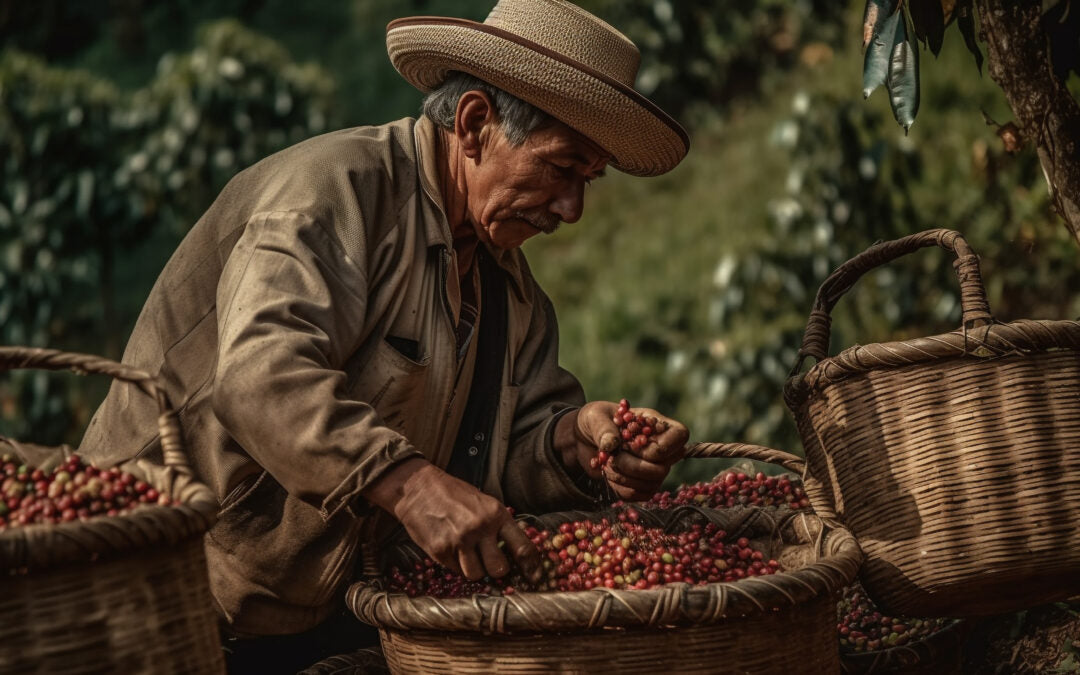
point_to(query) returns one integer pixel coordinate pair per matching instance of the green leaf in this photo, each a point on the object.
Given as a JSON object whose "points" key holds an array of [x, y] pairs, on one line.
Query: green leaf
{"points": [[903, 78], [928, 20], [882, 38], [965, 20]]}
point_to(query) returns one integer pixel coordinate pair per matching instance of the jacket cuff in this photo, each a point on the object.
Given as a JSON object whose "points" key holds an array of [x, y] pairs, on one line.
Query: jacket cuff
{"points": [[576, 489], [347, 494]]}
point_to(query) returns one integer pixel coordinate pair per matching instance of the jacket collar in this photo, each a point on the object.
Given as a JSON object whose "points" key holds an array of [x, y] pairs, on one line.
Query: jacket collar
{"points": [[437, 229]]}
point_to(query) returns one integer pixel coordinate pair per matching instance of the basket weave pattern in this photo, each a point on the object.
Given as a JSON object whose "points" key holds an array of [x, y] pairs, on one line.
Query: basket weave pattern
{"points": [[752, 625], [126, 593], [952, 458]]}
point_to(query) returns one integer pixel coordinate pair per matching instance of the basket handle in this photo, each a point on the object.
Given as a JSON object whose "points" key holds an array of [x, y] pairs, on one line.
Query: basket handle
{"points": [[172, 441], [973, 302], [746, 451]]}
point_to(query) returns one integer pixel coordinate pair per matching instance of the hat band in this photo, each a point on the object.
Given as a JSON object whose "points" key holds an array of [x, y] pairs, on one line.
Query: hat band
{"points": [[550, 53]]}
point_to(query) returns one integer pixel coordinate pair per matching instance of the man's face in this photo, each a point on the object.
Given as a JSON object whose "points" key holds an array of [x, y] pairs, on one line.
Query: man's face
{"points": [[517, 192]]}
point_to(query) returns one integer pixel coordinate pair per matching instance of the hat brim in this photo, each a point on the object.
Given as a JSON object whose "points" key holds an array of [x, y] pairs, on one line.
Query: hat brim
{"points": [[641, 138]]}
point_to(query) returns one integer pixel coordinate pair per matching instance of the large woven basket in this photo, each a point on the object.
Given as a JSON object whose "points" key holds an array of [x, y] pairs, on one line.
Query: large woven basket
{"points": [[120, 594], [954, 458], [779, 623]]}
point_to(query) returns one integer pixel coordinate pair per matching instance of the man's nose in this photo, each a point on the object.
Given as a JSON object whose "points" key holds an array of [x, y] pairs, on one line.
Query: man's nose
{"points": [[570, 201]]}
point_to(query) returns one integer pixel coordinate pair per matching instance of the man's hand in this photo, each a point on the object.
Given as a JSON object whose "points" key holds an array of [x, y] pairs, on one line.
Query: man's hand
{"points": [[453, 522], [633, 474]]}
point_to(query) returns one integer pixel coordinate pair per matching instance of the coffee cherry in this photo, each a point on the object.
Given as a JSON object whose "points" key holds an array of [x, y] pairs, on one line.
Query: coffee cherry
{"points": [[635, 432], [72, 490], [734, 488], [862, 628], [620, 554]]}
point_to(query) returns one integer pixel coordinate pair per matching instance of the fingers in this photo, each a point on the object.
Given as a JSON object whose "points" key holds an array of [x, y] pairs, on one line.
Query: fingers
{"points": [[633, 478], [595, 426], [495, 562], [522, 549], [487, 559], [447, 557], [470, 563], [667, 446], [631, 466]]}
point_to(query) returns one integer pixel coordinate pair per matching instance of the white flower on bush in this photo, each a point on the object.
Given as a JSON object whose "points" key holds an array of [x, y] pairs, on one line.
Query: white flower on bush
{"points": [[785, 211], [230, 68], [801, 103], [724, 271]]}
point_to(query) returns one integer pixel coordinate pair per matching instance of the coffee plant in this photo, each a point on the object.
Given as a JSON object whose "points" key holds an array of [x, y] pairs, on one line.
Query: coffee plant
{"points": [[699, 55], [847, 186]]}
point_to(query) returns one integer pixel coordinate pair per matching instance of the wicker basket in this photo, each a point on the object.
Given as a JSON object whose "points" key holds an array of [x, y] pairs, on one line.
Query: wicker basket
{"points": [[952, 458], [120, 594], [779, 623], [937, 654]]}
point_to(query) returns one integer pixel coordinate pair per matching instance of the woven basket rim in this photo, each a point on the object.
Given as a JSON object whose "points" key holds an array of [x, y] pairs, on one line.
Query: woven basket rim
{"points": [[994, 341], [27, 547], [672, 604]]}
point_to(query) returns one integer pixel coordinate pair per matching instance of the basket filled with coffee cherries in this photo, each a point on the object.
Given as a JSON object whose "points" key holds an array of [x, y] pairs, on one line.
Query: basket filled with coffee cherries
{"points": [[102, 568], [675, 580]]}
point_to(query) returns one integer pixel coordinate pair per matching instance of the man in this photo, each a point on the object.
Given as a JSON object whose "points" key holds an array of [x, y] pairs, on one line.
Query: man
{"points": [[352, 327]]}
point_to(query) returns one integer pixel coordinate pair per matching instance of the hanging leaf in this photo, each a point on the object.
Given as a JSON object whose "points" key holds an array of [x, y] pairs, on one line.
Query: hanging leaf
{"points": [[928, 20], [883, 36], [965, 20], [874, 17], [903, 78]]}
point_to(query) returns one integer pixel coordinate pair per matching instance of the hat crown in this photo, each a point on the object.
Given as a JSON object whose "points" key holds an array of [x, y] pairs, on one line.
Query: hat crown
{"points": [[572, 32]]}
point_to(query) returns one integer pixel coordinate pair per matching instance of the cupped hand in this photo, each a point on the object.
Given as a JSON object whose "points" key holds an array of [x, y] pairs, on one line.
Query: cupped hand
{"points": [[635, 473]]}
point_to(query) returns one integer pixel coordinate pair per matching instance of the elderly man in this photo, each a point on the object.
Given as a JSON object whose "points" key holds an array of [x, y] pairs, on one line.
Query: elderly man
{"points": [[351, 333]]}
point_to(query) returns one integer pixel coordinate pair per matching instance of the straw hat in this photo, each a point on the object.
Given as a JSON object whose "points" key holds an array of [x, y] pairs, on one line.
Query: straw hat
{"points": [[557, 57]]}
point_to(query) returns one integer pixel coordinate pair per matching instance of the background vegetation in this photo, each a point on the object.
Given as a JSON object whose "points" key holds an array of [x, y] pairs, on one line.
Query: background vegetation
{"points": [[120, 121]]}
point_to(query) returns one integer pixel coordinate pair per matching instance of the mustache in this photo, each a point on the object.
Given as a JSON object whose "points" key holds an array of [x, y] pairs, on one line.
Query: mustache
{"points": [[545, 221]]}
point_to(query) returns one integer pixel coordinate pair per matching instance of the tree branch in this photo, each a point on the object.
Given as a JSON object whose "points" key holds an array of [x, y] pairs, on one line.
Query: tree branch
{"points": [[1048, 115]]}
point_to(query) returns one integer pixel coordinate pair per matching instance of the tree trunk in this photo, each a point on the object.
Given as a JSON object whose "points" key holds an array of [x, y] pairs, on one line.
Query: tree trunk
{"points": [[1047, 114]]}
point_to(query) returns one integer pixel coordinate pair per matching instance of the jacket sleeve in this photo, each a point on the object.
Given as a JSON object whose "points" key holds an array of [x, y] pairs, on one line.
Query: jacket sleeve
{"points": [[534, 480], [291, 307]]}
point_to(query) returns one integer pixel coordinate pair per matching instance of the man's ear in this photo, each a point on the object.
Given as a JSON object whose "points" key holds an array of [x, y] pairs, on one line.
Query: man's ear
{"points": [[475, 113]]}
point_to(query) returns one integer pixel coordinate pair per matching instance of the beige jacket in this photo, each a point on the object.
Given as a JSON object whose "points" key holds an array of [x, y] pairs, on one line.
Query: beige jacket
{"points": [[269, 325]]}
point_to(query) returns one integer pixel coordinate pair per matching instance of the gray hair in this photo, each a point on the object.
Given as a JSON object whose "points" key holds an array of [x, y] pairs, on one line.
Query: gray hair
{"points": [[517, 119]]}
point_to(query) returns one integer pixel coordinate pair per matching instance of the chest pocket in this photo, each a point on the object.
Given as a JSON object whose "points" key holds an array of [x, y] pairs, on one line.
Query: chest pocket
{"points": [[391, 383]]}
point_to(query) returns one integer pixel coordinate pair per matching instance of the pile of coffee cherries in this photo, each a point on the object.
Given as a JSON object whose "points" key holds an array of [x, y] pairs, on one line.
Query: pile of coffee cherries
{"points": [[636, 430], [736, 488], [863, 628], [73, 490], [623, 554]]}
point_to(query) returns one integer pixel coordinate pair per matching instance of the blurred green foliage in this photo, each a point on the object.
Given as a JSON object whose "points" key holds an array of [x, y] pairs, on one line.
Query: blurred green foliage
{"points": [[99, 185], [707, 275], [699, 55], [687, 292]]}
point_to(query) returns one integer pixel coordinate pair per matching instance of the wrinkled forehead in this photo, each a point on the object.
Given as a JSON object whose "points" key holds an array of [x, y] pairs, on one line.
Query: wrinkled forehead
{"points": [[558, 138]]}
